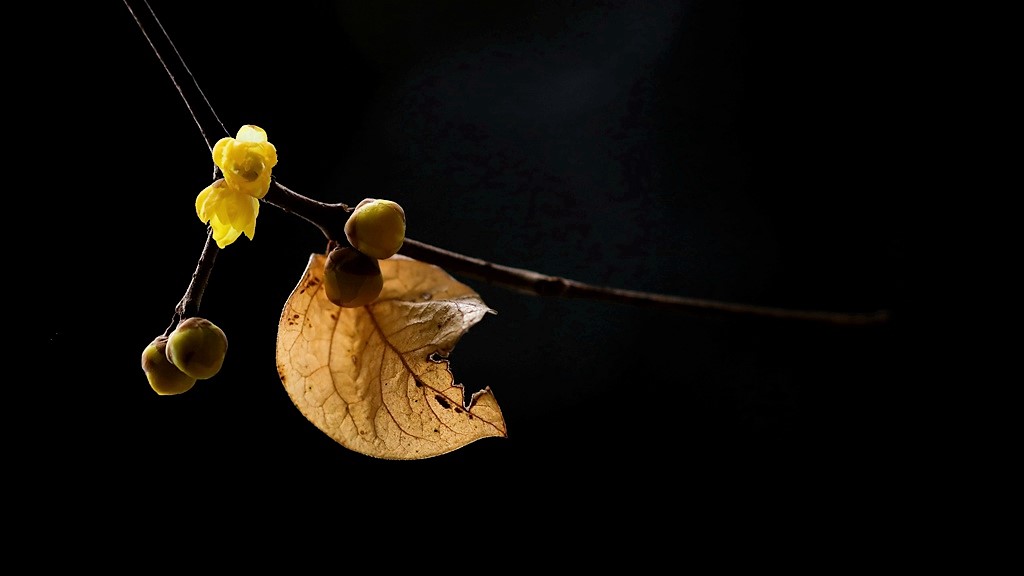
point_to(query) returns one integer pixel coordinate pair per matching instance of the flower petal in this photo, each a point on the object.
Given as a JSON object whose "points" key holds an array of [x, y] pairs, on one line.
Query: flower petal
{"points": [[207, 199], [251, 133], [224, 234], [236, 210], [250, 229], [269, 153], [231, 213], [220, 151]]}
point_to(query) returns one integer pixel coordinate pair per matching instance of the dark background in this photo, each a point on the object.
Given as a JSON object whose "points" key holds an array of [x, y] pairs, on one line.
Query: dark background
{"points": [[720, 150]]}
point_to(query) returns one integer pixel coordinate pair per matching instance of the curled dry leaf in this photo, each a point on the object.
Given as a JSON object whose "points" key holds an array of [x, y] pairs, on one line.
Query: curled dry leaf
{"points": [[376, 379]]}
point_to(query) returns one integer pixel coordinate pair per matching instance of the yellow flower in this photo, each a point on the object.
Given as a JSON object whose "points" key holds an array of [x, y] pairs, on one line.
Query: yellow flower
{"points": [[228, 210], [246, 160]]}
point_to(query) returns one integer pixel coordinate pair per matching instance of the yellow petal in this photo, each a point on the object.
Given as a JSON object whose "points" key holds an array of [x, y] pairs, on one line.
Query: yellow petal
{"points": [[224, 234], [207, 199], [220, 150], [251, 133], [232, 213], [269, 152], [237, 210], [250, 230]]}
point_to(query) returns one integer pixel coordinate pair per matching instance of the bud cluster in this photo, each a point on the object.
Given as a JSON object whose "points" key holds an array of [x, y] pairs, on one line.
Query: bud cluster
{"points": [[375, 231], [193, 351]]}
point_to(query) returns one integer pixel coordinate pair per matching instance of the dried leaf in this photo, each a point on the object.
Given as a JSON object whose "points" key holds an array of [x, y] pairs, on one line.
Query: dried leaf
{"points": [[376, 378]]}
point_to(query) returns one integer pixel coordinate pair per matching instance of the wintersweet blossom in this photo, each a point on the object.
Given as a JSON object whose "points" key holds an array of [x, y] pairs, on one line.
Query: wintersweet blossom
{"points": [[230, 205], [229, 212], [246, 160]]}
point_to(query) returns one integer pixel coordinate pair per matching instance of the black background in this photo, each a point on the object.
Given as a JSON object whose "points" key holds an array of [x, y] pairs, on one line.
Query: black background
{"points": [[720, 150]]}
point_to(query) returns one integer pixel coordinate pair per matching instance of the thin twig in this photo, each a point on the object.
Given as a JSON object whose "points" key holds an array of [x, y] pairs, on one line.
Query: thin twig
{"points": [[534, 283], [188, 306], [171, 74], [330, 219]]}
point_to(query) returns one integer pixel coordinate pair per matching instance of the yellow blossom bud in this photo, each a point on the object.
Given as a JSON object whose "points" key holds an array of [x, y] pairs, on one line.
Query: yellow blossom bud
{"points": [[351, 278], [197, 347], [246, 160], [230, 212], [376, 228], [164, 377]]}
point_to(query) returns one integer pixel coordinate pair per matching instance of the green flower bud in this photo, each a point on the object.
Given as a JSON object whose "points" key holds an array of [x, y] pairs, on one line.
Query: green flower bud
{"points": [[197, 347], [376, 228], [351, 278], [164, 377]]}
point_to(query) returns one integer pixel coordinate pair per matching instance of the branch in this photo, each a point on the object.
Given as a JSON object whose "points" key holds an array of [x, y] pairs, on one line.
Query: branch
{"points": [[188, 306], [330, 219], [530, 282]]}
